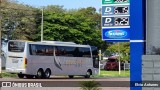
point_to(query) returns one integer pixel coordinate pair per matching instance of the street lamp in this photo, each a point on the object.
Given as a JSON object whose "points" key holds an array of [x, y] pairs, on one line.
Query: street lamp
{"points": [[0, 39], [42, 26]]}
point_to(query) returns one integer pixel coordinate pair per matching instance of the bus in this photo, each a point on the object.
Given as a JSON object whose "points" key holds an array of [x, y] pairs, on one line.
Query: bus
{"points": [[46, 58]]}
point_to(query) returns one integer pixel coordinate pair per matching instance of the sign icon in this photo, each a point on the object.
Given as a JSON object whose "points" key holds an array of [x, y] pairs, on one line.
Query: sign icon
{"points": [[106, 1], [6, 84], [108, 21], [115, 34], [107, 10]]}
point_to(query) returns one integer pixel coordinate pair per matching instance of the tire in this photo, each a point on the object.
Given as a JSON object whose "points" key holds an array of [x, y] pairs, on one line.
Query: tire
{"points": [[88, 74], [21, 75], [70, 76], [47, 73], [29, 76], [40, 74]]}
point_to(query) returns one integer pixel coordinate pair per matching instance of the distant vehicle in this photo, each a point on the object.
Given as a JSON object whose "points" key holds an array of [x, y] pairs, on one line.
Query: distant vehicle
{"points": [[42, 59], [113, 64], [102, 64]]}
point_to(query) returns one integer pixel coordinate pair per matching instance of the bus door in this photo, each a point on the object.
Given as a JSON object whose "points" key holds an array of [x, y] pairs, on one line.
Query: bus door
{"points": [[95, 57]]}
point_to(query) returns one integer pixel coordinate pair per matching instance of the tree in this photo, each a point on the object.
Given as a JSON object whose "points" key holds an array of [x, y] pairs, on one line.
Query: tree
{"points": [[80, 26], [18, 21], [124, 50]]}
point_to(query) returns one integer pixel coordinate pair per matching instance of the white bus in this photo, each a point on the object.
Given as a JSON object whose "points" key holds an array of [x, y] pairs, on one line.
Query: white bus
{"points": [[42, 59]]}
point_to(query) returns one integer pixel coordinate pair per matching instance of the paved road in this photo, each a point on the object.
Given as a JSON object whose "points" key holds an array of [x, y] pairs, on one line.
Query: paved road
{"points": [[64, 83]]}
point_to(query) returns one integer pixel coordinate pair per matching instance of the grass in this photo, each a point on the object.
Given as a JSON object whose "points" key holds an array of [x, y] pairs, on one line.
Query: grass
{"points": [[0, 75], [7, 75], [105, 73]]}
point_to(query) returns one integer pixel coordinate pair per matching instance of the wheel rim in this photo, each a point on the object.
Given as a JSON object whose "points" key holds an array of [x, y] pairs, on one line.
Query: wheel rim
{"points": [[88, 74], [39, 73], [47, 73]]}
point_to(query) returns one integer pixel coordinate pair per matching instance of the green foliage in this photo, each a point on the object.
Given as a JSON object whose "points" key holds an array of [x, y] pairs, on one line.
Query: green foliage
{"points": [[124, 50], [82, 26], [18, 21], [0, 75], [90, 85]]}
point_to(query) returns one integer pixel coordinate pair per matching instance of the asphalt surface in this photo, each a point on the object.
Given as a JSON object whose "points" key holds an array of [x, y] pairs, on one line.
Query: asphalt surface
{"points": [[63, 83]]}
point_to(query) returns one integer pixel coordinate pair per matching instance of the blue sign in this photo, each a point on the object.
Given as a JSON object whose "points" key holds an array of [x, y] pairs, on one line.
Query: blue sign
{"points": [[107, 21], [115, 10], [107, 10], [115, 34], [115, 21]]}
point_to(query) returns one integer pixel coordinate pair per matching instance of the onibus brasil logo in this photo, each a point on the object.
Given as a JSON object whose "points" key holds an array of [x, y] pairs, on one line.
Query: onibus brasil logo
{"points": [[116, 34]]}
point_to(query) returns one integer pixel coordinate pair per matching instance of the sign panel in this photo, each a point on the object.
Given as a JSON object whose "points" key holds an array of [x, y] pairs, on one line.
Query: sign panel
{"points": [[116, 34], [107, 10], [115, 10], [115, 1], [115, 21], [115, 15]]}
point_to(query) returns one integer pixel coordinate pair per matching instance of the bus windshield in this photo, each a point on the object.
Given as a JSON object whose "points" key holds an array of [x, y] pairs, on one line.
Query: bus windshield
{"points": [[16, 46]]}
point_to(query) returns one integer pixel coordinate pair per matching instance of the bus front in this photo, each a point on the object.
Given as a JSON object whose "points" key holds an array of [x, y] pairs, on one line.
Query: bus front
{"points": [[95, 59], [16, 52]]}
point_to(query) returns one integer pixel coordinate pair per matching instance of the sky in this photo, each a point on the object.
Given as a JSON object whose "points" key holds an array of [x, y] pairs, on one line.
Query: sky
{"points": [[68, 4]]}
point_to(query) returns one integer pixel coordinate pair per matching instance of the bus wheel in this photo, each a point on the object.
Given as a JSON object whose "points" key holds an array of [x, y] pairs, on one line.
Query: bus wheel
{"points": [[88, 74], [21, 75], [47, 73], [40, 74], [29, 76], [70, 76]]}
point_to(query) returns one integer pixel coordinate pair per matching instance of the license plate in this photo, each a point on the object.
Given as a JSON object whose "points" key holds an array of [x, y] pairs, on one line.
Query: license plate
{"points": [[14, 61]]}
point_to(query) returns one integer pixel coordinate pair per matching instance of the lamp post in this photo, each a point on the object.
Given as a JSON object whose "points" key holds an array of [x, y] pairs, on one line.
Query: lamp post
{"points": [[0, 38], [119, 61], [42, 26]]}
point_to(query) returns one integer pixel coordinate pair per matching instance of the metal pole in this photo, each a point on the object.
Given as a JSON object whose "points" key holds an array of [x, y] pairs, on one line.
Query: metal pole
{"points": [[0, 38], [119, 58], [42, 26], [99, 60]]}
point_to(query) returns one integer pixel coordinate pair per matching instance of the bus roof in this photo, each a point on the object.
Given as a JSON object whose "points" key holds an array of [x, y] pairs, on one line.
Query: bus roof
{"points": [[60, 44], [21, 40]]}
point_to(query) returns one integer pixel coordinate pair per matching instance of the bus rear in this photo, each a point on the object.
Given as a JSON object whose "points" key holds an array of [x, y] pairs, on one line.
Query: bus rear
{"points": [[16, 61]]}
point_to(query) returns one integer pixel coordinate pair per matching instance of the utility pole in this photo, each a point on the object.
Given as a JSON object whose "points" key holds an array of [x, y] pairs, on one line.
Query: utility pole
{"points": [[100, 55], [42, 26], [119, 58], [0, 38]]}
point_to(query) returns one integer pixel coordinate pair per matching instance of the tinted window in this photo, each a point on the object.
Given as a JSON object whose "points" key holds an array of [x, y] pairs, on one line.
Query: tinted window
{"points": [[64, 51], [72, 51], [45, 50], [94, 51], [84, 52], [16, 46]]}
